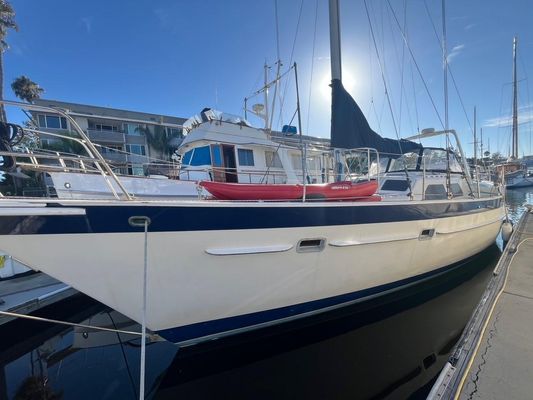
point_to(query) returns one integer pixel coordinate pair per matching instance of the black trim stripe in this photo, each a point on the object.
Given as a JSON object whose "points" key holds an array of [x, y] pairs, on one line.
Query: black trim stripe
{"points": [[114, 219]]}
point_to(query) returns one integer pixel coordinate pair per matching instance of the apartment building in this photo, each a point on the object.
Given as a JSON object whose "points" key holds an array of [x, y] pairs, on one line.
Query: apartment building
{"points": [[129, 140]]}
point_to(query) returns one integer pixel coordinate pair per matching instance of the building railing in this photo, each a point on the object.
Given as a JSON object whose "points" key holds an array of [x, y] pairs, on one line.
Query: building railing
{"points": [[106, 136]]}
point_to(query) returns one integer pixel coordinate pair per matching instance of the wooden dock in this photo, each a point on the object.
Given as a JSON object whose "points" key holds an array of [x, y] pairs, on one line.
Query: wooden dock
{"points": [[494, 357], [29, 293]]}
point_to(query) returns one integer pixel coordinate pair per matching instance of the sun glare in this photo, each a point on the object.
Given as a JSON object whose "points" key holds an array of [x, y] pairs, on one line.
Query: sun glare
{"points": [[348, 82]]}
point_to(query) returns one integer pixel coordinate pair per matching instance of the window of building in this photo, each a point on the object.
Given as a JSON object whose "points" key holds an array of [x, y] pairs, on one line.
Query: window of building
{"points": [[173, 131], [110, 149], [201, 156], [136, 149], [52, 121], [103, 127], [134, 129], [246, 157], [272, 159]]}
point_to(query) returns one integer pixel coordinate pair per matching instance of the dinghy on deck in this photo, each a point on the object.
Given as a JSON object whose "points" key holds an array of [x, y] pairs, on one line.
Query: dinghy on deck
{"points": [[328, 191]]}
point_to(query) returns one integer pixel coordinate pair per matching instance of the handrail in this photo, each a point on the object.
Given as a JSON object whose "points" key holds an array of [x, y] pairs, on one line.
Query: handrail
{"points": [[77, 128]]}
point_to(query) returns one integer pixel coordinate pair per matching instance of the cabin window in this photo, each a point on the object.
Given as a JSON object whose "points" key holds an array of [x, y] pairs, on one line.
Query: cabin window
{"points": [[399, 185], [187, 157], [201, 156], [246, 157], [436, 192], [272, 159], [456, 189]]}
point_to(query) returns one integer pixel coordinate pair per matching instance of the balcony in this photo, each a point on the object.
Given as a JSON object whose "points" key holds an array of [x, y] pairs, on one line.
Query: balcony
{"points": [[106, 136], [115, 158]]}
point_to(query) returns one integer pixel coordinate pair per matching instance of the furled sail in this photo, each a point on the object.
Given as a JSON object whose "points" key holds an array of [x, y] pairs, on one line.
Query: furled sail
{"points": [[350, 129]]}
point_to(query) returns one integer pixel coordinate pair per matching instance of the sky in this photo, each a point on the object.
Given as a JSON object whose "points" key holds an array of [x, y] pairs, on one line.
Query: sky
{"points": [[176, 57]]}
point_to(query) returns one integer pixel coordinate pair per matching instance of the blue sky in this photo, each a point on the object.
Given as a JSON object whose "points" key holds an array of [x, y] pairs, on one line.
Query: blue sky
{"points": [[177, 57]]}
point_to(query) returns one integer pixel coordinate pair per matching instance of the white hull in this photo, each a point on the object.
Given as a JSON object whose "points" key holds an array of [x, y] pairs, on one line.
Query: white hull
{"points": [[190, 281]]}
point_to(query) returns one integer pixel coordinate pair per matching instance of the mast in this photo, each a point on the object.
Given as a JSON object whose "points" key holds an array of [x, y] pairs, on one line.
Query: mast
{"points": [[514, 154], [266, 96], [475, 138], [446, 122], [335, 40], [336, 66]]}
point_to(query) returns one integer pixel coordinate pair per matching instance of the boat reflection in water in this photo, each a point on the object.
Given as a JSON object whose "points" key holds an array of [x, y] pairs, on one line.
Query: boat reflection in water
{"points": [[380, 351]]}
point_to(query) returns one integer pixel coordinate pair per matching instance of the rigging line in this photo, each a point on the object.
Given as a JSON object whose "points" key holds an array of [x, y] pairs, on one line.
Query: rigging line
{"points": [[383, 77], [403, 93], [282, 96], [277, 27], [414, 97], [417, 66], [449, 69], [312, 69], [529, 107]]}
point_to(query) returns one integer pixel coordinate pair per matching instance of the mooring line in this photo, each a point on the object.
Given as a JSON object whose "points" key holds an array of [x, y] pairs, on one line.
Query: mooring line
{"points": [[55, 321]]}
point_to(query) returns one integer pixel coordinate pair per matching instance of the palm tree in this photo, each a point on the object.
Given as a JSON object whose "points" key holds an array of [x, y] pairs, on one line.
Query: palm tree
{"points": [[26, 89], [7, 21], [159, 139]]}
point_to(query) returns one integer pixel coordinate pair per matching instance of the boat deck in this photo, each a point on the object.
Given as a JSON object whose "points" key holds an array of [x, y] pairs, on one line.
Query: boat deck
{"points": [[29, 293], [494, 357]]}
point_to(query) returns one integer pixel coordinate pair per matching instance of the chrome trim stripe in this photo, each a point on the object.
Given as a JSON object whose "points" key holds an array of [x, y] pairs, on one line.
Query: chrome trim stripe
{"points": [[233, 251]]}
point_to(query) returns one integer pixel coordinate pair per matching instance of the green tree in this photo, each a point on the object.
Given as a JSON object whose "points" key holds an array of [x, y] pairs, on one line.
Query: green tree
{"points": [[26, 89], [7, 22], [159, 139]]}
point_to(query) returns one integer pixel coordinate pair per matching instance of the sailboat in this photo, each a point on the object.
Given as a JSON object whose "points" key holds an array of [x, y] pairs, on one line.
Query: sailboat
{"points": [[515, 174], [218, 268]]}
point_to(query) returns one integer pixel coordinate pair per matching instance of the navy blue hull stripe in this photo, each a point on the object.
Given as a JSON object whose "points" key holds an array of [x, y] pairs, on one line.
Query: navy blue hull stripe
{"points": [[114, 219], [240, 322]]}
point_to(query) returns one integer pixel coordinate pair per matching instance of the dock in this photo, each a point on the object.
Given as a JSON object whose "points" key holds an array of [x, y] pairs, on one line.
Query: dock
{"points": [[29, 293], [494, 357]]}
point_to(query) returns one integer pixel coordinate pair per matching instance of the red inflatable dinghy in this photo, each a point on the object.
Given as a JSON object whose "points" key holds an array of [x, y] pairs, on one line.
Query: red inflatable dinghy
{"points": [[327, 191]]}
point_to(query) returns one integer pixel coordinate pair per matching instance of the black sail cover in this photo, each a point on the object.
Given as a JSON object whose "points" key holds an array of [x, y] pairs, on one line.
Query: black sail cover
{"points": [[350, 129]]}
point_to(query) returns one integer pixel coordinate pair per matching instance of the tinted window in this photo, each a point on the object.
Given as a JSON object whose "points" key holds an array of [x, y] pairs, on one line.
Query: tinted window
{"points": [[246, 157], [187, 157], [52, 122], [201, 156], [217, 156], [397, 185], [456, 189], [436, 192], [42, 121], [63, 123]]}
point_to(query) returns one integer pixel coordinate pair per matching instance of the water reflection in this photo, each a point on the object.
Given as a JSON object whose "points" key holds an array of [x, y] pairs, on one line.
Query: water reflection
{"points": [[374, 353], [516, 199]]}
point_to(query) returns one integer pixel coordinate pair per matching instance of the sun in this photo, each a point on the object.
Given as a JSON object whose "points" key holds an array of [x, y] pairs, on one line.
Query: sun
{"points": [[348, 81]]}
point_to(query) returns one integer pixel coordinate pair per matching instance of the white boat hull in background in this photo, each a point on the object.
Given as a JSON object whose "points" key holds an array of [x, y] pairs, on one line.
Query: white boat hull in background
{"points": [[70, 185]]}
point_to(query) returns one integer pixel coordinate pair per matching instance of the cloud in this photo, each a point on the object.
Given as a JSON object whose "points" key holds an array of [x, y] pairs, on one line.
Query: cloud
{"points": [[525, 115], [456, 50], [469, 26], [87, 23]]}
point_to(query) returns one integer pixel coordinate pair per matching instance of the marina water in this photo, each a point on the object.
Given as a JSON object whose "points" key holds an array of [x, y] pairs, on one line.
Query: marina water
{"points": [[390, 351]]}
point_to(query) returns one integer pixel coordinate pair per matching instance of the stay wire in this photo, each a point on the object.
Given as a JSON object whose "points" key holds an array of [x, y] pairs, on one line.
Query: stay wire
{"points": [[449, 68], [312, 69], [383, 76], [416, 65], [283, 95]]}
